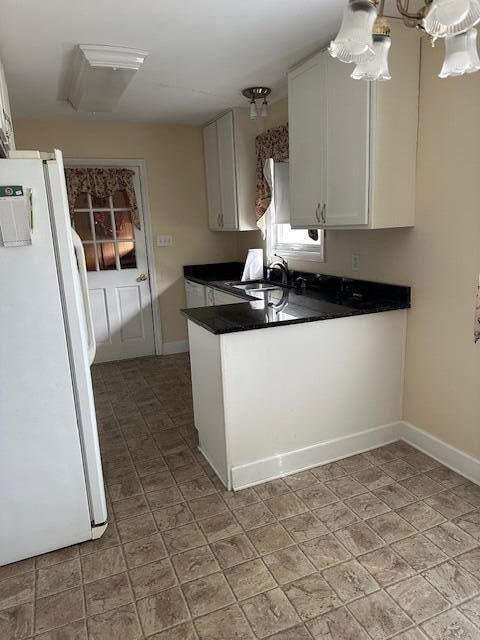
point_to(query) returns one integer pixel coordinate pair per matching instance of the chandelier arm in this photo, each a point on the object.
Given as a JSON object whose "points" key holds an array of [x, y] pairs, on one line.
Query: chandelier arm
{"points": [[405, 13]]}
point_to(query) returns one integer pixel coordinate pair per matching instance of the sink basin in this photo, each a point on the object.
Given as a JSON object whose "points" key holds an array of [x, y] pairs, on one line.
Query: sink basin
{"points": [[255, 286]]}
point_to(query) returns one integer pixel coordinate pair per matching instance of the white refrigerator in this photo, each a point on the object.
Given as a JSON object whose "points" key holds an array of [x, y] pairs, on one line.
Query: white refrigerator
{"points": [[51, 485]]}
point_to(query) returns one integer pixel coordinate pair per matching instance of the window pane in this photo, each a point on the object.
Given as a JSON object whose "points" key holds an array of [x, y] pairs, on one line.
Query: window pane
{"points": [[82, 201], [123, 225], [90, 256], [126, 251], [106, 256], [120, 200], [100, 203], [81, 222], [285, 234], [103, 225]]}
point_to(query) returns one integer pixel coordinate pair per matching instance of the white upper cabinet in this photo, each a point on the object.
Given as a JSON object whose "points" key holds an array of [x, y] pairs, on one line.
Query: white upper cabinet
{"points": [[7, 140], [229, 146], [353, 143]]}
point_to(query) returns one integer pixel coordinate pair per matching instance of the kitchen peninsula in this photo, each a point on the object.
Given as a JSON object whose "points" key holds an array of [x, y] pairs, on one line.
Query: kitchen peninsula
{"points": [[292, 377]]}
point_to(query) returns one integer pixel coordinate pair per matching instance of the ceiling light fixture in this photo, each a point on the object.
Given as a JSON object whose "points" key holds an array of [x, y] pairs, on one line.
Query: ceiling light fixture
{"points": [[364, 36], [257, 93], [101, 74]]}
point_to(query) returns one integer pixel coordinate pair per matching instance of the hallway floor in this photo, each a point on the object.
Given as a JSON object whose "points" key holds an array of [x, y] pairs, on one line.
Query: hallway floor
{"points": [[381, 545]]}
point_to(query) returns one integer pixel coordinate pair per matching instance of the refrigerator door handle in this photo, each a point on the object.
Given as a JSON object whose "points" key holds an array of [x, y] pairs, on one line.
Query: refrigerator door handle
{"points": [[82, 270]]}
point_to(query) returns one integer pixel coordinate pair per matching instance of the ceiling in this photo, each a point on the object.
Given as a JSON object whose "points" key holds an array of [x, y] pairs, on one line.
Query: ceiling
{"points": [[201, 52]]}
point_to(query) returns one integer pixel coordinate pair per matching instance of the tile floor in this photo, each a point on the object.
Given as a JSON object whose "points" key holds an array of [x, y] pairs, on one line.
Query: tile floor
{"points": [[380, 545]]}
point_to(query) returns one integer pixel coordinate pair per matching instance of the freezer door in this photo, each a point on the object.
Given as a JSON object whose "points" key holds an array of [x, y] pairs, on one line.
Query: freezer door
{"points": [[77, 335], [43, 494]]}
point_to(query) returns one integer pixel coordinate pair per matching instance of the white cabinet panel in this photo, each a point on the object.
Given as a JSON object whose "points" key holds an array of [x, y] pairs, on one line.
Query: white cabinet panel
{"points": [[228, 179], [195, 294], [306, 107], [131, 313], [212, 175]]}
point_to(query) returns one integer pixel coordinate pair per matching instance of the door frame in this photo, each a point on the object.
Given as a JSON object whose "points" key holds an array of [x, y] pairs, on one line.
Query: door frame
{"points": [[141, 167]]}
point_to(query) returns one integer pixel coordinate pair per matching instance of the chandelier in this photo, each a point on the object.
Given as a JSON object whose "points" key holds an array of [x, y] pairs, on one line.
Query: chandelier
{"points": [[258, 93], [364, 36]]}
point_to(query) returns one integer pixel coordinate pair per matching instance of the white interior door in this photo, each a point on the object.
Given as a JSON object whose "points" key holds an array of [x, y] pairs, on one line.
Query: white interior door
{"points": [[118, 276]]}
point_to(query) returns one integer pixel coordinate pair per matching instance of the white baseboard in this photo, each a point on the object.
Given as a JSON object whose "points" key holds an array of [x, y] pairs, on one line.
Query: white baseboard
{"points": [[451, 457], [179, 346], [301, 459]]}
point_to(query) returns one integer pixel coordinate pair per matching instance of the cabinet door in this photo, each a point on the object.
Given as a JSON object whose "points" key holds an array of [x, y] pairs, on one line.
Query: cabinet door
{"points": [[221, 297], [212, 174], [228, 182], [306, 115], [348, 145], [195, 294]]}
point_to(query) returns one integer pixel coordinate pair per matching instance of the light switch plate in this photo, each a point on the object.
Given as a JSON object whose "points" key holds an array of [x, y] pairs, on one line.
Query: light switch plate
{"points": [[164, 241], [355, 262]]}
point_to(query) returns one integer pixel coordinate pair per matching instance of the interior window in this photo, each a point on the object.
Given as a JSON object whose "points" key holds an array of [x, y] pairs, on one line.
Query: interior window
{"points": [[303, 244]]}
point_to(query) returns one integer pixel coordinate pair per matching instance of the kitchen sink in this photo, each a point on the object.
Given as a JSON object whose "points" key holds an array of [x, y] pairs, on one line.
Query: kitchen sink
{"points": [[255, 286]]}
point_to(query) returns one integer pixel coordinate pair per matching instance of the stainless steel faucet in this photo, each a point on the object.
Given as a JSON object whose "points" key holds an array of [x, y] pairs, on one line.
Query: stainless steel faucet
{"points": [[282, 264]]}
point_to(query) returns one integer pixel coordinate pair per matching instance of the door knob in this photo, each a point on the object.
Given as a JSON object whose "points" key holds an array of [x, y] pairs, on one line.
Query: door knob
{"points": [[142, 277]]}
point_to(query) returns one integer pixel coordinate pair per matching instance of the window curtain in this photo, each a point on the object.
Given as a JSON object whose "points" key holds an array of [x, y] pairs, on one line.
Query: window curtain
{"points": [[101, 182], [476, 329], [273, 144]]}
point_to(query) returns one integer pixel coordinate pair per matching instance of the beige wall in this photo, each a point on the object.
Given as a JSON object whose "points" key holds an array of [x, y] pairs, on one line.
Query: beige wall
{"points": [[439, 258], [176, 187]]}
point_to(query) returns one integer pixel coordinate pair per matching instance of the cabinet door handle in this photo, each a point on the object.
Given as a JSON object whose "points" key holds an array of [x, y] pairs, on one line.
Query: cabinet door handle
{"points": [[316, 212], [323, 215], [221, 220], [218, 220]]}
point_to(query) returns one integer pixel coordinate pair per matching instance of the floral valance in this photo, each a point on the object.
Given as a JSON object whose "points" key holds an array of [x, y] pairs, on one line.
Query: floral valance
{"points": [[272, 143], [101, 182]]}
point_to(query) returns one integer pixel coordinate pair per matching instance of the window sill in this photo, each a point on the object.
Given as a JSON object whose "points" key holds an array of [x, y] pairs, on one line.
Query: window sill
{"points": [[294, 254]]}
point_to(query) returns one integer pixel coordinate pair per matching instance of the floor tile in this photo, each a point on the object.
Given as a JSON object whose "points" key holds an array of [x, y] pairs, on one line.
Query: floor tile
{"points": [[157, 481], [470, 522], [73, 631], [329, 471], [195, 563], [449, 504], [311, 596], [419, 552], [346, 487], [102, 564], [471, 610], [380, 615], [164, 498], [269, 613], [249, 579], [418, 598], [399, 469], [207, 594], [17, 568], [451, 539], [386, 566], [325, 551], [220, 526], [421, 486], [355, 463], [197, 488], [144, 550], [453, 582], [130, 507], [119, 623], [164, 609], [16, 590], [151, 578], [237, 499], [305, 526], [16, 622], [421, 515], [446, 477], [55, 557], [137, 527], [391, 527], [234, 550], [227, 624], [183, 538], [380, 455], [286, 506], [336, 625], [270, 538], [295, 633], [254, 515], [470, 561], [367, 505], [207, 506], [316, 496], [107, 593], [359, 538], [125, 488], [422, 462], [373, 478], [174, 516], [451, 625], [350, 580], [272, 489], [469, 492], [300, 480], [288, 564], [59, 577], [185, 631], [59, 609]]}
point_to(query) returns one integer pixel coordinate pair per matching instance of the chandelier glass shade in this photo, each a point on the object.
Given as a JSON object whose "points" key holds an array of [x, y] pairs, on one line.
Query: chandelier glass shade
{"points": [[461, 55], [354, 42], [364, 36]]}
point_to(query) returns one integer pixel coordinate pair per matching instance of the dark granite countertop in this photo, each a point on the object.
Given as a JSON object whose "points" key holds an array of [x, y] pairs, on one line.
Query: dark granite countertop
{"points": [[322, 297]]}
